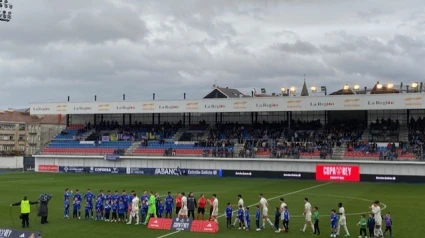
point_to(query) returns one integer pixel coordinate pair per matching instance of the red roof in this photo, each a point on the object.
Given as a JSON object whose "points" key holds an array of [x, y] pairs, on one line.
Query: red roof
{"points": [[23, 117]]}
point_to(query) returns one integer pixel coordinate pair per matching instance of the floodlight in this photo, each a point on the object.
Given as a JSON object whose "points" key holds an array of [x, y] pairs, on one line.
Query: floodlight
{"points": [[5, 15], [346, 87], [379, 86], [356, 87], [390, 86]]}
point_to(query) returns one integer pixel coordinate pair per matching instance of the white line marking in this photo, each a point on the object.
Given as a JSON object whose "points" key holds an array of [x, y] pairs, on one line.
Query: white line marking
{"points": [[272, 198]]}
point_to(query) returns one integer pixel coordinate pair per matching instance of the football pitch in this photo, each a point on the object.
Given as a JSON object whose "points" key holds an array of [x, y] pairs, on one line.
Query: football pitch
{"points": [[402, 200]]}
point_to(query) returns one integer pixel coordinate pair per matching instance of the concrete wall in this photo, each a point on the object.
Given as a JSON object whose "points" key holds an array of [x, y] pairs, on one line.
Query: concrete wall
{"points": [[366, 167], [12, 162]]}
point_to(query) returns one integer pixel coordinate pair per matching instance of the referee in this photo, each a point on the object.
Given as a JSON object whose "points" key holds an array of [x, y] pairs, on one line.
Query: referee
{"points": [[25, 211]]}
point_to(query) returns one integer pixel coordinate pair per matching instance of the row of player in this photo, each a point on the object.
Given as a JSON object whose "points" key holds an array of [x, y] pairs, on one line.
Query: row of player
{"points": [[113, 207], [122, 207]]}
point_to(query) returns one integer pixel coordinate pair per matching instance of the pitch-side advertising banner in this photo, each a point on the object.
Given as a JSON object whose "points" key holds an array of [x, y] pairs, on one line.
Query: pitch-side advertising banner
{"points": [[11, 233], [48, 168], [313, 103], [183, 224], [94, 170], [329, 172], [268, 174], [175, 172]]}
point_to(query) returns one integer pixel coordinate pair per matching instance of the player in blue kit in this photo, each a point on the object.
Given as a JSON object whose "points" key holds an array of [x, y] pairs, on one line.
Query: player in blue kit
{"points": [[144, 197], [89, 208], [121, 211], [114, 209], [241, 217], [109, 197], [129, 205], [77, 208], [161, 209], [101, 195], [334, 223], [229, 213], [67, 194], [144, 210], [78, 195], [277, 216], [169, 205], [125, 201], [257, 217], [107, 210], [286, 219], [247, 219], [88, 197], [66, 211], [99, 209], [116, 196]]}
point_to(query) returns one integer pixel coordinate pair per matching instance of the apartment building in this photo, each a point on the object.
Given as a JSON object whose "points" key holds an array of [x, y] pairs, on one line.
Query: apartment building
{"points": [[21, 133]]}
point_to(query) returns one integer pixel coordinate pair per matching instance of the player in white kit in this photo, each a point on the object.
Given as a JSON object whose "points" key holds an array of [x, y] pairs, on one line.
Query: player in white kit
{"points": [[183, 210], [134, 209], [342, 221], [307, 214], [282, 205], [264, 206], [240, 203], [214, 214], [376, 210], [282, 210]]}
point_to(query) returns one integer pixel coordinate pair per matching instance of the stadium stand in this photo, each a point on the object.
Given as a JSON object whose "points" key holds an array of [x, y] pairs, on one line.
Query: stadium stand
{"points": [[296, 139], [318, 133]]}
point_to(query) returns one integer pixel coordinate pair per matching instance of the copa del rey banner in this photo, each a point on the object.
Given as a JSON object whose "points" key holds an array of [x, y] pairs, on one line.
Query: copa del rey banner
{"points": [[329, 172], [270, 104], [182, 224]]}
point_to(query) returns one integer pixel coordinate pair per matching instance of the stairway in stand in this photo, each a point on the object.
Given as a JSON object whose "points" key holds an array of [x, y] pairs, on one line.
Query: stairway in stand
{"points": [[365, 136], [236, 149], [179, 134], [403, 134], [132, 148], [338, 152], [86, 134]]}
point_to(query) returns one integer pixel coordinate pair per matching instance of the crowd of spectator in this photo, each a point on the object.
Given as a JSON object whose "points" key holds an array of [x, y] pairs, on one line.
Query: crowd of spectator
{"points": [[416, 137], [281, 139], [286, 140]]}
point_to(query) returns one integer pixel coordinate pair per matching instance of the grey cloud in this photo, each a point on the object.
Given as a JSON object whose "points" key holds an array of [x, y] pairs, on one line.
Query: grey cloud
{"points": [[369, 15], [79, 21], [82, 48], [299, 47]]}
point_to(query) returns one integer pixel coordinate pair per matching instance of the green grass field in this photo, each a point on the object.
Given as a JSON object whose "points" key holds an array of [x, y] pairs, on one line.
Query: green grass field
{"points": [[356, 197]]}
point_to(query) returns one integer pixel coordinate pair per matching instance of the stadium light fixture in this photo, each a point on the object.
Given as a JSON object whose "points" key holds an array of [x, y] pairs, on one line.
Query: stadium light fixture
{"points": [[292, 90], [379, 86], [414, 85], [285, 91], [313, 89], [356, 87], [5, 10], [390, 86], [346, 87]]}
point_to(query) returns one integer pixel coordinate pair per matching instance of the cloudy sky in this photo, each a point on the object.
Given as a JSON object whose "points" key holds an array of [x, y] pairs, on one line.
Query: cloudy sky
{"points": [[52, 49]]}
